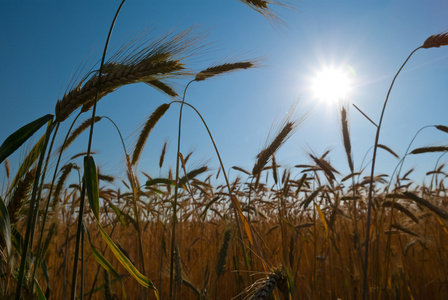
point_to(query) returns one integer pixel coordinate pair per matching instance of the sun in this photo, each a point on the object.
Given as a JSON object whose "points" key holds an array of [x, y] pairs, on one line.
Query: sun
{"points": [[331, 85]]}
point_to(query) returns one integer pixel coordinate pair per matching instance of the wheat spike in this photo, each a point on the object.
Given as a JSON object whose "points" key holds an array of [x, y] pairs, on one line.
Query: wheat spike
{"points": [[276, 278], [163, 87], [224, 68], [19, 196], [325, 166], [264, 155], [84, 125], [221, 265], [436, 40], [157, 60], [7, 168], [429, 149], [65, 171], [440, 212], [384, 147], [346, 137], [107, 286], [149, 125], [442, 128], [264, 8], [401, 208], [401, 228], [162, 155]]}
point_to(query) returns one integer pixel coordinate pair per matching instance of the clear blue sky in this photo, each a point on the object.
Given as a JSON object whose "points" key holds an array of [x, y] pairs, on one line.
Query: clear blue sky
{"points": [[42, 43]]}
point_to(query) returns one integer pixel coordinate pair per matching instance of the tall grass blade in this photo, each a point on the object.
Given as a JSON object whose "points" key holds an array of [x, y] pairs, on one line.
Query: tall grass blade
{"points": [[15, 140], [126, 263], [103, 262], [29, 160]]}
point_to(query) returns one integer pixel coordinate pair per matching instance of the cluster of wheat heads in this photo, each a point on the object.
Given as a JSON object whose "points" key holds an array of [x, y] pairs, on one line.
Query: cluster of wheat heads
{"points": [[296, 235]]}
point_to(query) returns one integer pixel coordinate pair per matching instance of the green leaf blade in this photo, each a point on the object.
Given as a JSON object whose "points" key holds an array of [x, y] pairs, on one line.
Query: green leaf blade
{"points": [[91, 182], [15, 140]]}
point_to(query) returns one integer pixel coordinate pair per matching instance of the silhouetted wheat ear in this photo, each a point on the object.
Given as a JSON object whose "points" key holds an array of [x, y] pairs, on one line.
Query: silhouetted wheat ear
{"points": [[384, 147], [257, 3], [277, 278], [139, 61], [401, 208], [111, 81], [107, 286], [436, 40], [221, 265], [20, 196], [7, 168], [346, 138], [440, 212], [264, 7], [429, 149], [84, 125], [224, 68], [162, 155], [163, 87], [65, 171], [149, 125], [177, 268], [442, 128], [264, 155]]}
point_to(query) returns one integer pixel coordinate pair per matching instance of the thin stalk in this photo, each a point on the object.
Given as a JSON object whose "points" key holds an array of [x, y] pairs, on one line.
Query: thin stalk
{"points": [[89, 147], [39, 250], [176, 188], [33, 210], [226, 180], [369, 205]]}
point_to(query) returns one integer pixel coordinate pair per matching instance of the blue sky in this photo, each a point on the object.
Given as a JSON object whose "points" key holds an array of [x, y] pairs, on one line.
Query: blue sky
{"points": [[42, 43]]}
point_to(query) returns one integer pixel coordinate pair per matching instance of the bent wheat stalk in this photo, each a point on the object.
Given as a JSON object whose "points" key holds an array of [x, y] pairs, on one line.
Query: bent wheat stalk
{"points": [[433, 41]]}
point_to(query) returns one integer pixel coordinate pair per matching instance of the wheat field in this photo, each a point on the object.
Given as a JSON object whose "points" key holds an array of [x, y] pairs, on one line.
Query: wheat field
{"points": [[68, 230]]}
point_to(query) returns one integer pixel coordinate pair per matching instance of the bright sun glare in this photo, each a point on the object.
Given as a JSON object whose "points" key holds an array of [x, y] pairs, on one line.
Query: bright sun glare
{"points": [[331, 85]]}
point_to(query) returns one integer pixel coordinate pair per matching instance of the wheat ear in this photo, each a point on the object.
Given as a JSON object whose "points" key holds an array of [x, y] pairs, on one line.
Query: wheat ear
{"points": [[346, 137], [149, 125], [221, 265], [162, 155], [429, 149], [440, 212], [277, 278], [224, 68], [436, 40], [84, 125], [264, 155], [20, 195]]}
